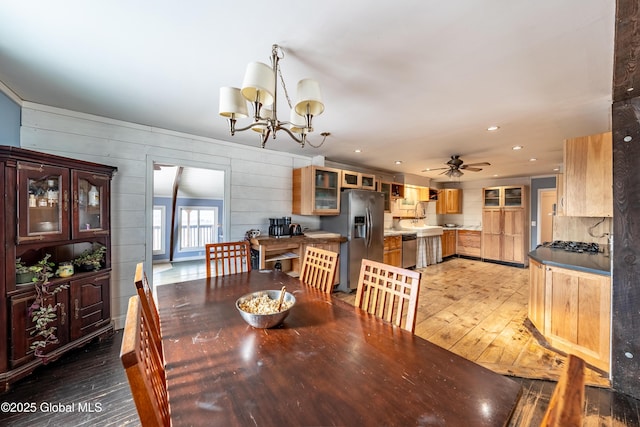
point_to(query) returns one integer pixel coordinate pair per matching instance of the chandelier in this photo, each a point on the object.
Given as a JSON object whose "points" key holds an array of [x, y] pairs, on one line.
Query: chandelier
{"points": [[260, 87]]}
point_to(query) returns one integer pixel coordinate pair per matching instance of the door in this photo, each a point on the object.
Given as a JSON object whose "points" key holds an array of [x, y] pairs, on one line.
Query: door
{"points": [[545, 215]]}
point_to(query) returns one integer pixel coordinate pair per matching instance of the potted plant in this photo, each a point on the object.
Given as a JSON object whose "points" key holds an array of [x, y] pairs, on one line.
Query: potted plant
{"points": [[43, 315], [91, 259], [24, 273]]}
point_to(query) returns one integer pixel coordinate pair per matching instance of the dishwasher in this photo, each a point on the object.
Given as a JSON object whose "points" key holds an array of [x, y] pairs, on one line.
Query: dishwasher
{"points": [[409, 250]]}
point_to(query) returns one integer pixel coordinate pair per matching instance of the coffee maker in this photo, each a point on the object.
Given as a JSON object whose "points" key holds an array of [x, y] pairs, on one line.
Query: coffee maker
{"points": [[279, 227]]}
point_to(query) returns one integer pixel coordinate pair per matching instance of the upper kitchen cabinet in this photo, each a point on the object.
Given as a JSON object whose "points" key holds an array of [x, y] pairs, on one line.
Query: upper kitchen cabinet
{"points": [[449, 201], [501, 197], [588, 176], [316, 191], [360, 180]]}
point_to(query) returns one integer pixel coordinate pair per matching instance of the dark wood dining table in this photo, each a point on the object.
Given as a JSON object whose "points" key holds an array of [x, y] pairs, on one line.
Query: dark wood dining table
{"points": [[328, 363]]}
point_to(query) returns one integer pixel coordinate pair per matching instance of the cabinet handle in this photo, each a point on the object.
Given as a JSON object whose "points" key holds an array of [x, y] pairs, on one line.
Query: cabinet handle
{"points": [[29, 239], [77, 309], [63, 314], [66, 200]]}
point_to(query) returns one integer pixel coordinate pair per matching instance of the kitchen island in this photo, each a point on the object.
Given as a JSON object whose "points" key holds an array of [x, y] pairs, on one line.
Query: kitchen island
{"points": [[570, 302], [289, 251]]}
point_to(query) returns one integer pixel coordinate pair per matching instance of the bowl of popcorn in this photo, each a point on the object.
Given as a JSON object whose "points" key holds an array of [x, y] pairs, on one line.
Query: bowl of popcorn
{"points": [[265, 309]]}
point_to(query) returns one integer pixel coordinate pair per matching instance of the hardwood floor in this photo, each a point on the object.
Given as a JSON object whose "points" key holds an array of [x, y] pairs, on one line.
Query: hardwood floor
{"points": [[94, 375], [479, 311]]}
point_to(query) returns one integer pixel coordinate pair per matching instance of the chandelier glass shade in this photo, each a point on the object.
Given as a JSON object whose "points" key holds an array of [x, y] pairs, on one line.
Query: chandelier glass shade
{"points": [[454, 173], [259, 88]]}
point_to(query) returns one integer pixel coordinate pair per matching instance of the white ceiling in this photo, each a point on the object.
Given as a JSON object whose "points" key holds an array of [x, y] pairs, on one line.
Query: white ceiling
{"points": [[416, 81]]}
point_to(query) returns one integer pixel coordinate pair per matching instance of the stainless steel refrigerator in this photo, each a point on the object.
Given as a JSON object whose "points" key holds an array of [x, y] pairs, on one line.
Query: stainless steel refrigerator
{"points": [[361, 220]]}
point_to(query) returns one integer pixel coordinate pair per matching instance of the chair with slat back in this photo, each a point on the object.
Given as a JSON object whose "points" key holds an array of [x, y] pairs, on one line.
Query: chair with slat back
{"points": [[319, 268], [389, 292], [566, 406], [148, 304], [144, 368], [228, 257]]}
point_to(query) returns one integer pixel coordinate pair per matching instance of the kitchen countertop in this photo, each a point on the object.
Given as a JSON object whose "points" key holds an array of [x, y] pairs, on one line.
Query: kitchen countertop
{"points": [[587, 262], [392, 232], [464, 227]]}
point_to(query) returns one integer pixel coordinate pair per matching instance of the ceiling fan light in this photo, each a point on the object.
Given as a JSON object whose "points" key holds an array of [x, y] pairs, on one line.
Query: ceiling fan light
{"points": [[232, 105], [259, 83], [309, 98]]}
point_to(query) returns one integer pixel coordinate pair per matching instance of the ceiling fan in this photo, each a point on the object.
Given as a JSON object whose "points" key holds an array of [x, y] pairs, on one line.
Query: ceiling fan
{"points": [[455, 166]]}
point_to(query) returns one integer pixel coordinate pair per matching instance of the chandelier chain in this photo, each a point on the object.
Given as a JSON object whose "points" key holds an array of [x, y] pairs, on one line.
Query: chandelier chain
{"points": [[284, 87]]}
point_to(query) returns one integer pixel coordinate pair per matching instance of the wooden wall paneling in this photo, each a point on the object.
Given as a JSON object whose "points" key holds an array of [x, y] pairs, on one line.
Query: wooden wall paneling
{"points": [[626, 200]]}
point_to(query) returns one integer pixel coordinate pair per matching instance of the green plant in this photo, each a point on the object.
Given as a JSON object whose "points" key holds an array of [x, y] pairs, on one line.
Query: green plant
{"points": [[41, 315], [93, 257], [21, 267]]}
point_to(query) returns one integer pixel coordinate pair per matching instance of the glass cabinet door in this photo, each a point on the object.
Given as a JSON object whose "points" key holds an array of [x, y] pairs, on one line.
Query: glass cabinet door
{"points": [[43, 203], [90, 204], [326, 190], [491, 197], [513, 196]]}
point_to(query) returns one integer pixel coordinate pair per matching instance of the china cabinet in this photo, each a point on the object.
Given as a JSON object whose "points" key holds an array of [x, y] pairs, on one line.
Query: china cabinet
{"points": [[316, 191], [60, 207]]}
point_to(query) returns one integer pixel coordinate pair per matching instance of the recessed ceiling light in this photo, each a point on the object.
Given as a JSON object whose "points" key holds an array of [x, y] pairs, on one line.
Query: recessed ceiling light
{"points": [[517, 147], [556, 169], [493, 128], [427, 169], [495, 175], [398, 162], [357, 150], [533, 159]]}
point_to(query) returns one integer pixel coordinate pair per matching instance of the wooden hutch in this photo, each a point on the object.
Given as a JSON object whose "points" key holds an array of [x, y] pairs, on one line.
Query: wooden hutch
{"points": [[57, 206]]}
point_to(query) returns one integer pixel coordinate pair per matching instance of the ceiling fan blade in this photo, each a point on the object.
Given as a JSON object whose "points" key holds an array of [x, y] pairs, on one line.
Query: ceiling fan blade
{"points": [[476, 164], [472, 169], [435, 169]]}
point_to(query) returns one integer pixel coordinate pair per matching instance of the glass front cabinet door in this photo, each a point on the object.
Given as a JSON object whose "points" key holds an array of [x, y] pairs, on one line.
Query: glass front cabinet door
{"points": [[90, 204], [43, 203]]}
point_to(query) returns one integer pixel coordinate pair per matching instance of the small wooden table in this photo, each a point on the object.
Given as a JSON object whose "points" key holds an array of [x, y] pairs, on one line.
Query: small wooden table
{"points": [[328, 364]]}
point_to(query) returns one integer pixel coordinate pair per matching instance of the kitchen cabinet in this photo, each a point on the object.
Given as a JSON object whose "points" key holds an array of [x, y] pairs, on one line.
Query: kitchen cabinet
{"points": [[316, 191], [505, 224], [59, 207], [393, 250], [508, 196], [448, 240], [537, 294], [578, 314], [449, 201], [588, 176], [469, 243], [360, 180], [385, 188]]}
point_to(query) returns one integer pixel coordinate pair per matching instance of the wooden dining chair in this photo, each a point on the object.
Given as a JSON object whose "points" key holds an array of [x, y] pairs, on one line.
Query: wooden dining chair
{"points": [[389, 292], [149, 309], [144, 368], [566, 406], [228, 257], [319, 268]]}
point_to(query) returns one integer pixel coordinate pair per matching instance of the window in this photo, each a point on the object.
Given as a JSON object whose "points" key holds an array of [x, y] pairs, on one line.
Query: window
{"points": [[198, 226], [159, 227]]}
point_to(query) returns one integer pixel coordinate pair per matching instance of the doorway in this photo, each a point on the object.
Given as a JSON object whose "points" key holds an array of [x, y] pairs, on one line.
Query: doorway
{"points": [[546, 204], [187, 207]]}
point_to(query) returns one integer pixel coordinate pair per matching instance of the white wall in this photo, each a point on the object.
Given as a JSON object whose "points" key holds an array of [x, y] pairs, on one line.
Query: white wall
{"points": [[260, 179]]}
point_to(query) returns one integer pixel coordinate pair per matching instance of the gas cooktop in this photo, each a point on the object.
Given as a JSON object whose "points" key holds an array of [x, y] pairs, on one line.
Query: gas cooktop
{"points": [[573, 246]]}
